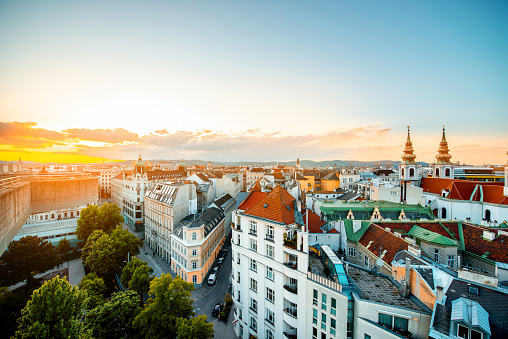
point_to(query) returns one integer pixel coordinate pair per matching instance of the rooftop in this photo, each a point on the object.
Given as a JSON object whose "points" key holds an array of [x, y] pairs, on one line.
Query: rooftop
{"points": [[379, 289]]}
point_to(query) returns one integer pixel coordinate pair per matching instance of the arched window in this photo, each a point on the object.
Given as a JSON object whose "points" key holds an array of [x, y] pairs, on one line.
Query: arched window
{"points": [[194, 236], [487, 215], [411, 172], [402, 171], [437, 172], [443, 213], [447, 172]]}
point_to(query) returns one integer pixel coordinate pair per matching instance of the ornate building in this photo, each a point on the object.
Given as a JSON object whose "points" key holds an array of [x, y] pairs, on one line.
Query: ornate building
{"points": [[409, 170], [443, 168]]}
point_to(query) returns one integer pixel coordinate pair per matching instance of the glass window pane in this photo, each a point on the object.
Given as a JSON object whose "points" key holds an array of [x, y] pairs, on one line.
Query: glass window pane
{"points": [[385, 320]]}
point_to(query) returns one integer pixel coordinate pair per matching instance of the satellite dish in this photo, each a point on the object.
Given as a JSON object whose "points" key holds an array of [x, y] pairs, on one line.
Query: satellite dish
{"points": [[379, 262]]}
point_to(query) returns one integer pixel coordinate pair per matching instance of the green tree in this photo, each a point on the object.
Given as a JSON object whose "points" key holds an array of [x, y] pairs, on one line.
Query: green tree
{"points": [[63, 247], [113, 319], [95, 288], [124, 243], [85, 251], [54, 311], [129, 269], [92, 218], [169, 299], [101, 257], [27, 256], [137, 276], [194, 328]]}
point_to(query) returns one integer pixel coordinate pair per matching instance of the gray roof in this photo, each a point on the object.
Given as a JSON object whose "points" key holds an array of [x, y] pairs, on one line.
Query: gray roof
{"points": [[223, 201], [241, 197], [209, 220]]}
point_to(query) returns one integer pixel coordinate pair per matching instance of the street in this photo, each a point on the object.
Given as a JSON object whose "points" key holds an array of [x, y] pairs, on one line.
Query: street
{"points": [[205, 297]]}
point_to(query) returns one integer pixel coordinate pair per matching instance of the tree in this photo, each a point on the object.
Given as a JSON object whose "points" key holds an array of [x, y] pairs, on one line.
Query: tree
{"points": [[194, 328], [101, 257], [95, 288], [85, 251], [27, 256], [92, 218], [63, 246], [113, 319], [137, 276], [54, 311], [124, 243], [169, 299]]}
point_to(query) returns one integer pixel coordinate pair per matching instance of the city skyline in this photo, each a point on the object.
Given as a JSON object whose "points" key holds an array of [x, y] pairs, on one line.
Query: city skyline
{"points": [[252, 81]]}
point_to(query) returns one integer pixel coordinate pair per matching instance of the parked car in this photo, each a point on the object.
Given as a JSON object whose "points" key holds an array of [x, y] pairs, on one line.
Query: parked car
{"points": [[211, 279], [215, 270], [217, 309], [220, 261]]}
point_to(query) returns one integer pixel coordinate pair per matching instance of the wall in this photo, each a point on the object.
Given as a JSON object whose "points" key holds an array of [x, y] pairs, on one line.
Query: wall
{"points": [[14, 211]]}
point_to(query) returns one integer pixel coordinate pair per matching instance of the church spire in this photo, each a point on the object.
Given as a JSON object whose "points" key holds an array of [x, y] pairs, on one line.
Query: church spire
{"points": [[408, 156], [443, 156]]}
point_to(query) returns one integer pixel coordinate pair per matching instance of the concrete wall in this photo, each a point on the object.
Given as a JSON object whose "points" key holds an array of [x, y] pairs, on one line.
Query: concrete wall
{"points": [[14, 211]]}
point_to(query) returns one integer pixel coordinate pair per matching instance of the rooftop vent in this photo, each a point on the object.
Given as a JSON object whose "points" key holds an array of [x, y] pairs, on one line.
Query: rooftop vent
{"points": [[265, 206]]}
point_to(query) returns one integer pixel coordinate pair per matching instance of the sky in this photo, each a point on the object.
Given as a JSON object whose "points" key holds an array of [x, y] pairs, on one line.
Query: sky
{"points": [[83, 81]]}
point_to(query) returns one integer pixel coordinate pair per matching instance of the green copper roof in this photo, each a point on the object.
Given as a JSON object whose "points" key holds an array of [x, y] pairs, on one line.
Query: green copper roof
{"points": [[351, 235], [431, 237]]}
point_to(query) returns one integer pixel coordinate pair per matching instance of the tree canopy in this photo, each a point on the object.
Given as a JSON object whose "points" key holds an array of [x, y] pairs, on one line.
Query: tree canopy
{"points": [[113, 319], [194, 328], [63, 246], [169, 299], [26, 256], [91, 218], [96, 289], [54, 311]]}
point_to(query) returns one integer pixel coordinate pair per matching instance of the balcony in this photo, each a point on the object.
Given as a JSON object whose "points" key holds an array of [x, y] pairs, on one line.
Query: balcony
{"points": [[269, 237], [292, 264], [253, 232], [290, 336], [290, 244], [291, 288], [291, 312]]}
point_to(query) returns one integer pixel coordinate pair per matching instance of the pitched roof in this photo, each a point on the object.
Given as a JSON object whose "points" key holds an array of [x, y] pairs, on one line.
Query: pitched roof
{"points": [[315, 222], [383, 241], [330, 176], [475, 243], [491, 192], [333, 230], [431, 237], [278, 206], [252, 199]]}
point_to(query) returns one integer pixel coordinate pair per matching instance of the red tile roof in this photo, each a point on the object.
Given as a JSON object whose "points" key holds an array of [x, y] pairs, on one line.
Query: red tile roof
{"points": [[432, 226], [251, 200], [475, 243], [278, 205], [314, 221], [381, 241], [464, 189], [333, 230]]}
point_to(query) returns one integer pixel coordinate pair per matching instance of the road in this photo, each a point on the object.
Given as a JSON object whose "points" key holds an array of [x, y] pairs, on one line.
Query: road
{"points": [[205, 297]]}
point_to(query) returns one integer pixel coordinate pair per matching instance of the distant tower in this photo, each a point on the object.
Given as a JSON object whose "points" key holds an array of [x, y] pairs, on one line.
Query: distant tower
{"points": [[140, 167], [443, 168], [298, 163], [182, 166], [409, 170]]}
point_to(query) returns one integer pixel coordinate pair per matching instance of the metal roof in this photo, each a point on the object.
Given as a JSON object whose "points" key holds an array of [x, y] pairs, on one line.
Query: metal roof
{"points": [[471, 313], [431, 237]]}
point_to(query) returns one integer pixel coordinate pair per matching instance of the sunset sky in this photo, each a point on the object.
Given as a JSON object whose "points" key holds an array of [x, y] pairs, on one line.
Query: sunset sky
{"points": [[252, 80]]}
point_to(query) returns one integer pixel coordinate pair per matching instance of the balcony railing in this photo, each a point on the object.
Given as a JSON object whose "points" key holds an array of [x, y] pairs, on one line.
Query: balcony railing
{"points": [[269, 237], [290, 336], [291, 264], [291, 288], [253, 232], [290, 244], [291, 312]]}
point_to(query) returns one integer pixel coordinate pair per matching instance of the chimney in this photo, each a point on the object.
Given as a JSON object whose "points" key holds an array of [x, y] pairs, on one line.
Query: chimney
{"points": [[408, 271], [439, 294]]}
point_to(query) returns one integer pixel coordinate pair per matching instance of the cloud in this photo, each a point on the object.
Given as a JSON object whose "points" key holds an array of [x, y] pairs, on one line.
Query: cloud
{"points": [[117, 135], [26, 135]]}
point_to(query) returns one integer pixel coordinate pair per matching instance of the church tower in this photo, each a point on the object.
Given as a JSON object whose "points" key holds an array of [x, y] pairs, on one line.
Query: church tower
{"points": [[140, 167], [409, 170], [443, 168]]}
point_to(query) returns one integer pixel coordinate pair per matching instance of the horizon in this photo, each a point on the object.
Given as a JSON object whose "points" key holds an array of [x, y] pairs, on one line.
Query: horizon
{"points": [[247, 82]]}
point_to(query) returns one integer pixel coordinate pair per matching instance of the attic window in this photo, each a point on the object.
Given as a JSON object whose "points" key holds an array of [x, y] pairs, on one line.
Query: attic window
{"points": [[289, 209], [474, 290], [265, 206]]}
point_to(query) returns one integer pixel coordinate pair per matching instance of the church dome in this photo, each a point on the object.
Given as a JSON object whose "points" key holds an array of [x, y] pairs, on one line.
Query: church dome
{"points": [[442, 155]]}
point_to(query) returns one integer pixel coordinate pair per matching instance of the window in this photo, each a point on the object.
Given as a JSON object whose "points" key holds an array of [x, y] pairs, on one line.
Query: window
{"points": [[194, 253], [270, 316], [254, 305], [290, 308], [238, 262], [240, 299], [253, 245], [334, 306], [359, 256], [314, 333], [393, 322], [253, 285], [436, 254], [314, 300], [253, 265], [323, 321], [270, 294], [240, 313], [351, 251], [238, 276], [240, 331], [323, 301], [194, 265], [253, 323], [269, 233], [194, 236], [349, 329], [314, 316], [474, 290], [367, 261], [269, 272], [269, 250], [238, 240], [269, 334], [451, 261], [194, 279], [333, 326], [366, 336], [253, 227]]}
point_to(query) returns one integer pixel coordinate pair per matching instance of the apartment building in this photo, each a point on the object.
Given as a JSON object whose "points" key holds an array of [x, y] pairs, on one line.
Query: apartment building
{"points": [[196, 243], [166, 205]]}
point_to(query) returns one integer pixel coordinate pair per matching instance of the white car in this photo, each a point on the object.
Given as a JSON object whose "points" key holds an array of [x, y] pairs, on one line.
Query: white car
{"points": [[211, 279]]}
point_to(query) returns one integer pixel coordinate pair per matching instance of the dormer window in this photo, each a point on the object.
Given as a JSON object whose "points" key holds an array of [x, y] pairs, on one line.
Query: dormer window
{"points": [[474, 290], [467, 333]]}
